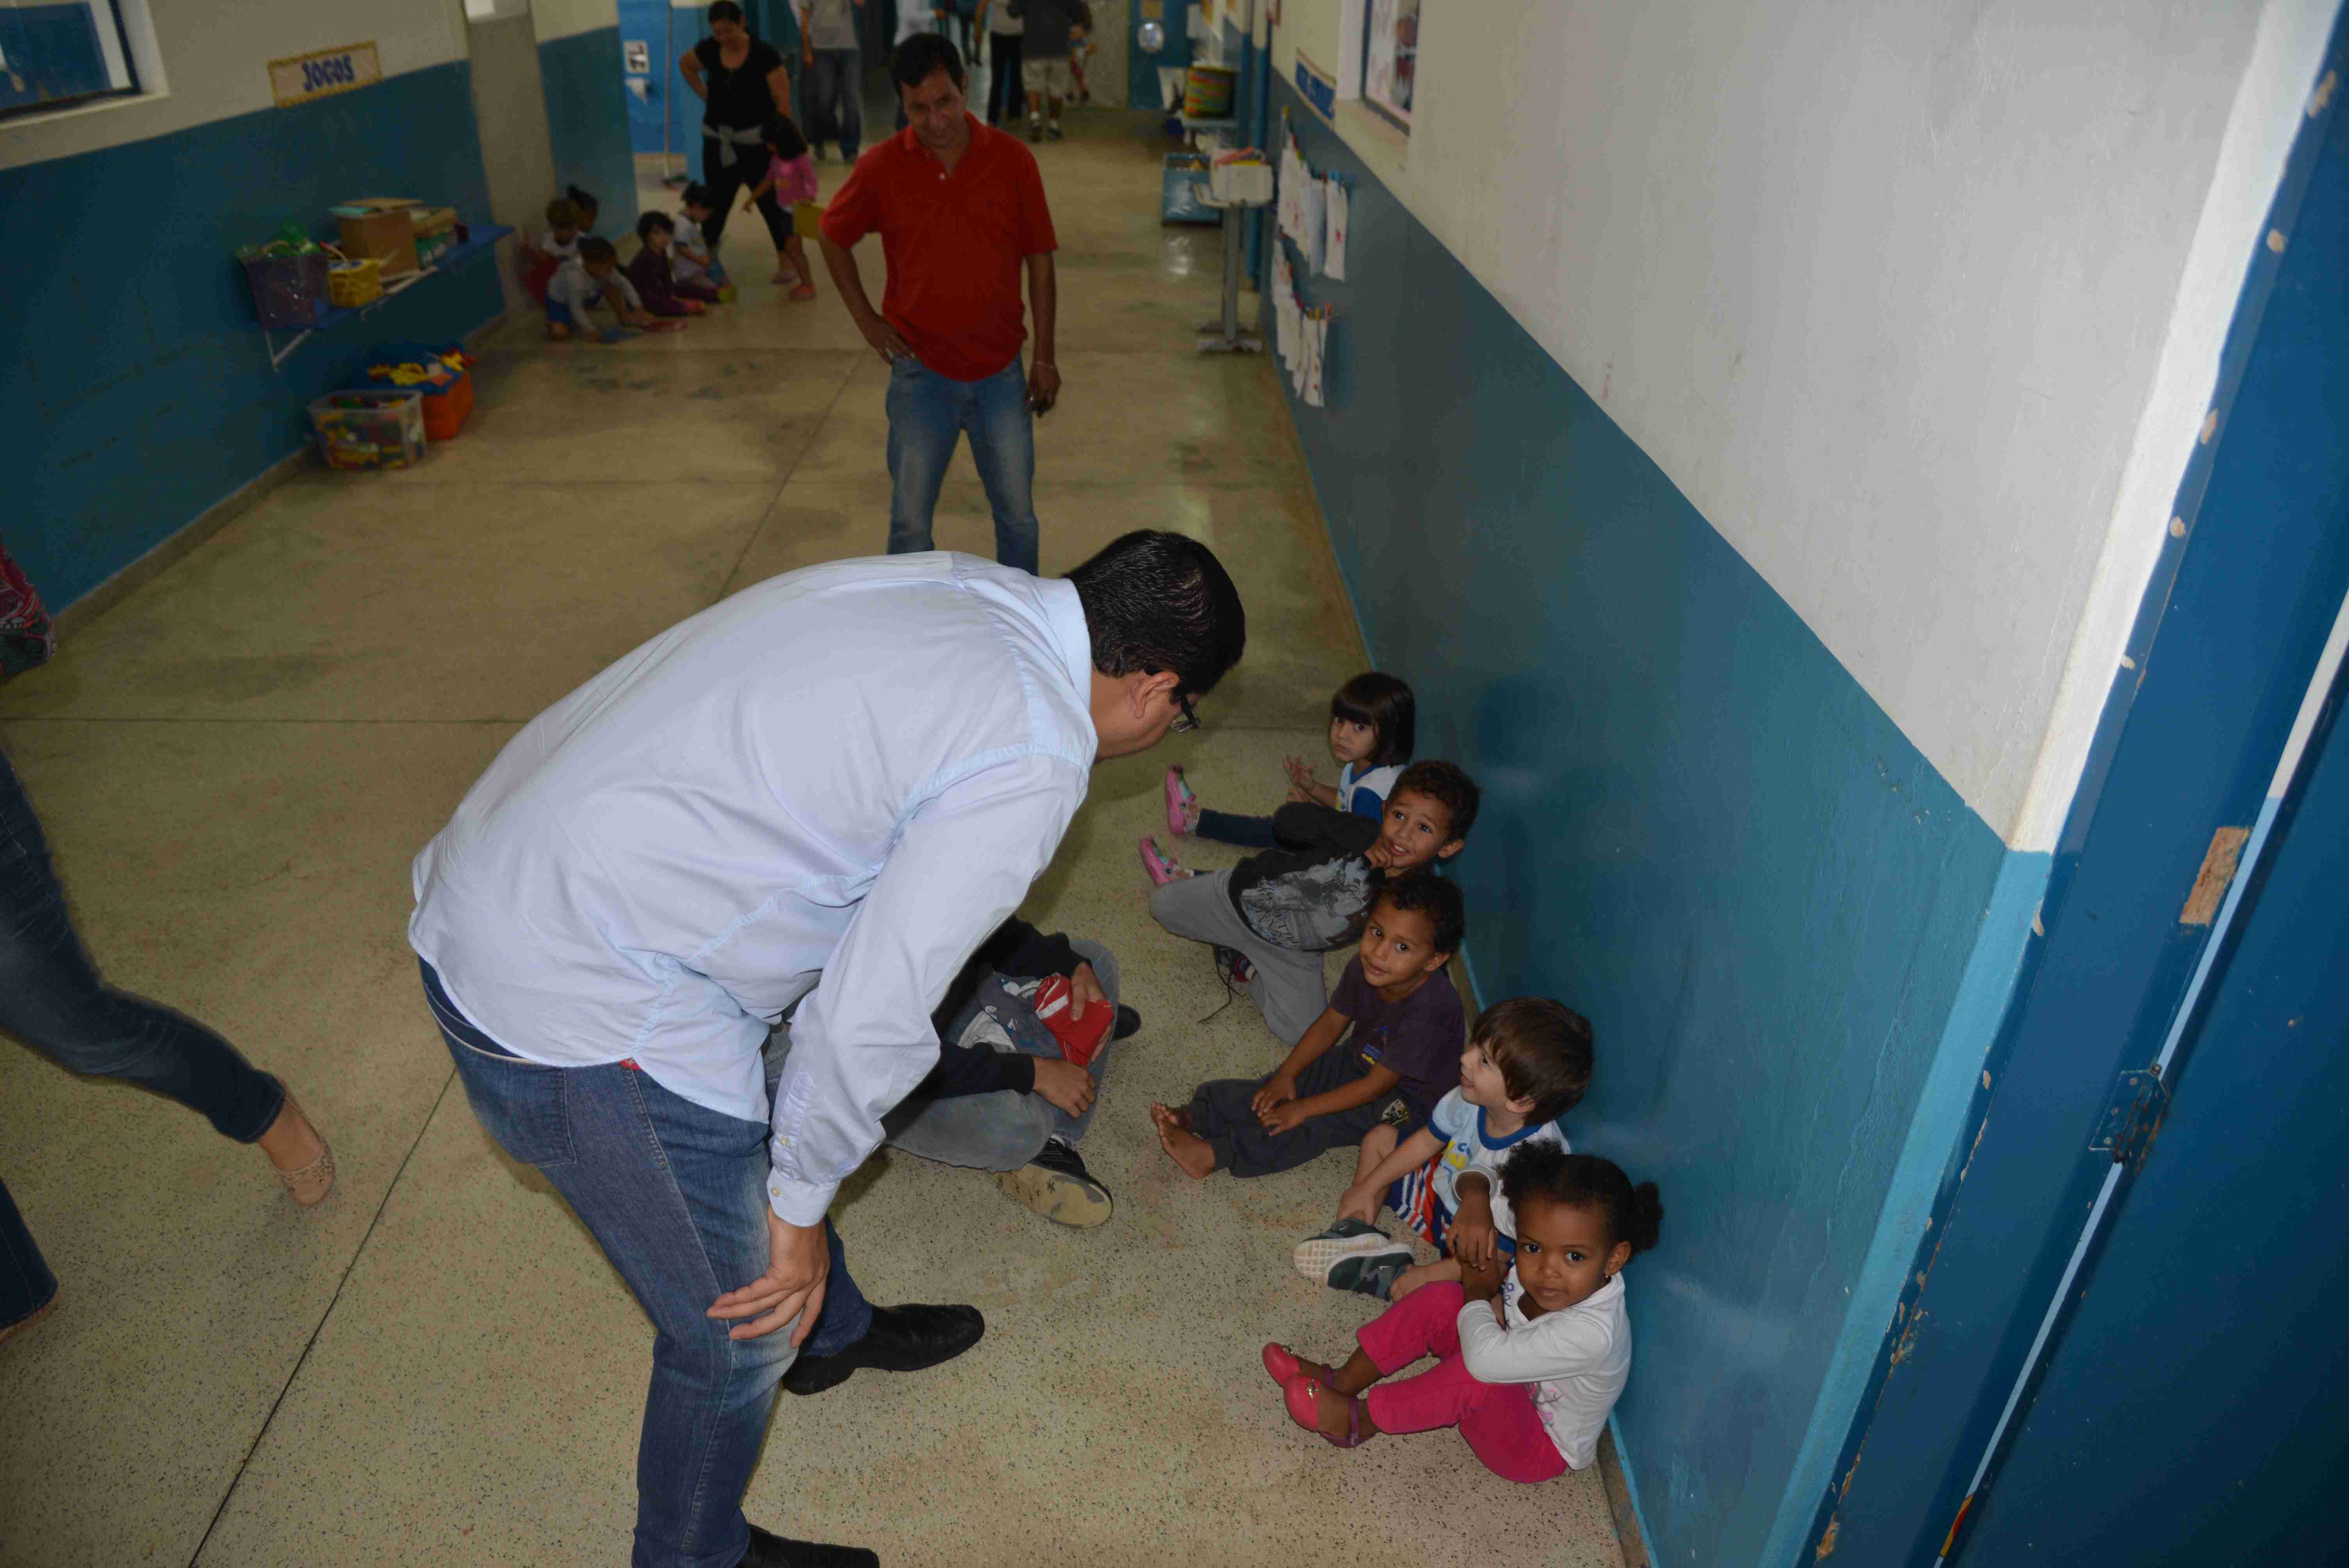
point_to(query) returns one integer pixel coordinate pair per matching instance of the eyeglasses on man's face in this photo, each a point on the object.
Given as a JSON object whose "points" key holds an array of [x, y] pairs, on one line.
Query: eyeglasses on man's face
{"points": [[1189, 718]]}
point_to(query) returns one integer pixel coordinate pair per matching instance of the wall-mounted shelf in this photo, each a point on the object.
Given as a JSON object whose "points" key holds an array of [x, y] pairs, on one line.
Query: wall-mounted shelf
{"points": [[483, 239]]}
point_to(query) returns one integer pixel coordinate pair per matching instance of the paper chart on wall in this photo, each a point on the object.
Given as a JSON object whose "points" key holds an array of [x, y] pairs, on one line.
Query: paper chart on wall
{"points": [[1334, 208], [1316, 345], [1309, 240]]}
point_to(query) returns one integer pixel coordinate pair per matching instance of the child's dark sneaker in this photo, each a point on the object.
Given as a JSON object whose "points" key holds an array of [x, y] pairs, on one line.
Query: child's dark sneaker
{"points": [[1346, 1239], [1233, 968], [1369, 1274]]}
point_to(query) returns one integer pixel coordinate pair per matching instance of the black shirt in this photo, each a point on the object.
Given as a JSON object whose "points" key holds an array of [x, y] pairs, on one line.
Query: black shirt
{"points": [[739, 97]]}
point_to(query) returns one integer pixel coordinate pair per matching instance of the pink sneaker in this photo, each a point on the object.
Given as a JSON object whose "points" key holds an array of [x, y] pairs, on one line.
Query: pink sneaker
{"points": [[1182, 806], [1160, 866]]}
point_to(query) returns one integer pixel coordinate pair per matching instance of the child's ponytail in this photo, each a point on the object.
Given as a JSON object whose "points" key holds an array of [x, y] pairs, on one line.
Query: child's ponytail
{"points": [[1546, 1170]]}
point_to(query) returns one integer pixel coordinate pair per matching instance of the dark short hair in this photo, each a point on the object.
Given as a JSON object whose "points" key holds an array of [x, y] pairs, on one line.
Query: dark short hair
{"points": [[1446, 785], [583, 200], [562, 213], [1546, 1172], [650, 221], [724, 11], [1422, 891], [920, 55], [1542, 1049], [595, 248], [1155, 601], [1386, 705], [695, 196]]}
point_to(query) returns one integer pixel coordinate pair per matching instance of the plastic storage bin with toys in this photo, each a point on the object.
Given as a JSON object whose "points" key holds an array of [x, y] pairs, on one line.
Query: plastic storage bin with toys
{"points": [[369, 429], [440, 373]]}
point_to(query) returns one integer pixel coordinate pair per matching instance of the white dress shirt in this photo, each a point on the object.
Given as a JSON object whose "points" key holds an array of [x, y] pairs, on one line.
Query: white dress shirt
{"points": [[1578, 1360], [827, 790]]}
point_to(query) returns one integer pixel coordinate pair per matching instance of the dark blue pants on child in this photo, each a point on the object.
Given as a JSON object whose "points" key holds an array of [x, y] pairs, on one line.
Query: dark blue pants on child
{"points": [[1227, 828], [52, 1000], [1220, 1114]]}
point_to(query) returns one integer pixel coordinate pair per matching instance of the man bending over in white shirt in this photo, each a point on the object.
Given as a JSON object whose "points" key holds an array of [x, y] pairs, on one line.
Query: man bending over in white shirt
{"points": [[820, 794]]}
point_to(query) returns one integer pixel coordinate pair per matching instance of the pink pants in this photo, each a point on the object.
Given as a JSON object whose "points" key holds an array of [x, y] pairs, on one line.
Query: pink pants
{"points": [[1497, 1418]]}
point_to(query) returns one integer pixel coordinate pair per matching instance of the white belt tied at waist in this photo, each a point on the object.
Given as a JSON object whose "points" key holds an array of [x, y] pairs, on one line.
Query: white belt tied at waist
{"points": [[730, 137]]}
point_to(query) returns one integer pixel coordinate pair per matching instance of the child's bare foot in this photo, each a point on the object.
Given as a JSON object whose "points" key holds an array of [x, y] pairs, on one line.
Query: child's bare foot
{"points": [[1418, 1275], [556, 332], [1186, 1149], [1164, 1117]]}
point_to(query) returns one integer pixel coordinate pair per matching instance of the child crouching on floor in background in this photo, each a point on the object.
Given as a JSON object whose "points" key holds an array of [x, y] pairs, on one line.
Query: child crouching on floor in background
{"points": [[654, 274], [1269, 919], [1528, 1062], [790, 176], [1372, 725], [1405, 1019], [593, 278], [1530, 1357], [543, 253], [692, 258]]}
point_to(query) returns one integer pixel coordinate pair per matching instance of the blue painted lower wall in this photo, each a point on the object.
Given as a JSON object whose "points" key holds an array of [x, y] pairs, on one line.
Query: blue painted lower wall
{"points": [[143, 393], [1794, 938], [587, 124]]}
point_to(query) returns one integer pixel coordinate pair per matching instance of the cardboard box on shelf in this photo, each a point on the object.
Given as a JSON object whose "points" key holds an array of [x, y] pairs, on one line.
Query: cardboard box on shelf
{"points": [[387, 235], [433, 219]]}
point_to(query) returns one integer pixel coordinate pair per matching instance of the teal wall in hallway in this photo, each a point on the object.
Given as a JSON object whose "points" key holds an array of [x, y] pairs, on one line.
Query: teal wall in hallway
{"points": [[588, 123], [140, 393], [1793, 938]]}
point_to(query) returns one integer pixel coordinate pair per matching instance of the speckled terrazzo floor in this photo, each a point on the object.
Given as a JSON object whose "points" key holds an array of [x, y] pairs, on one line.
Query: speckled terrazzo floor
{"points": [[237, 761]]}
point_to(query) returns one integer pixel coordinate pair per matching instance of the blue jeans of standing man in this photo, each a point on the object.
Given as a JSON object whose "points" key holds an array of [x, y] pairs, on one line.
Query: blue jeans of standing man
{"points": [[927, 414], [836, 88], [52, 1000], [676, 1197]]}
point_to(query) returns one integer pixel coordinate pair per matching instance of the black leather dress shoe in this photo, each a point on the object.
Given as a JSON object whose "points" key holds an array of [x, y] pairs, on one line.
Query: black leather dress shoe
{"points": [[774, 1551], [902, 1339]]}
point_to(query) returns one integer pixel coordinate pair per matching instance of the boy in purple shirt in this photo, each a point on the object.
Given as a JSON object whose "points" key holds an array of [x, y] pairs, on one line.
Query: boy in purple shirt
{"points": [[1400, 1058]]}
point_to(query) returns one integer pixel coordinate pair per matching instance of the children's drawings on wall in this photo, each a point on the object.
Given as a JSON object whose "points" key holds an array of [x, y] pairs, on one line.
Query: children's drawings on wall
{"points": [[1313, 214]]}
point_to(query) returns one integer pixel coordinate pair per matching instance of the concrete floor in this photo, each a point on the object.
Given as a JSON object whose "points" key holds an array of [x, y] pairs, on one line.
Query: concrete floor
{"points": [[237, 762]]}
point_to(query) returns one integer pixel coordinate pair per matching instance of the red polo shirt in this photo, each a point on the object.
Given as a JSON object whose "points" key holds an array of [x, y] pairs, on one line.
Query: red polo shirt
{"points": [[954, 243]]}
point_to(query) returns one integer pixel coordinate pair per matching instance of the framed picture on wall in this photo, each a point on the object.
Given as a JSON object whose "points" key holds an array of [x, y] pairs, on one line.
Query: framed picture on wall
{"points": [[1390, 56]]}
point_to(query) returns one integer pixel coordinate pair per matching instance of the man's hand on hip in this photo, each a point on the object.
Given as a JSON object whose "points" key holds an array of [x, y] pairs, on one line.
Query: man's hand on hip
{"points": [[884, 339], [799, 1262], [1043, 385]]}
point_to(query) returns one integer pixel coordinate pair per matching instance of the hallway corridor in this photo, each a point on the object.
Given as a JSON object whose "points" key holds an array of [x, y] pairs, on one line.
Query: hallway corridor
{"points": [[236, 763]]}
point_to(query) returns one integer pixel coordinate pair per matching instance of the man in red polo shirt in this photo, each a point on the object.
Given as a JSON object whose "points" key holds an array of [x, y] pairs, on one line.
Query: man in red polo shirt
{"points": [[960, 211]]}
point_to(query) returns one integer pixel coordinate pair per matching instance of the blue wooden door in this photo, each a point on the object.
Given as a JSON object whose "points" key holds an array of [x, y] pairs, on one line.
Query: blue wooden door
{"points": [[2196, 1407]]}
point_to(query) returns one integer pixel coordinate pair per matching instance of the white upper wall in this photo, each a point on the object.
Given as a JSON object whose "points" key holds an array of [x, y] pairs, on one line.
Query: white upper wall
{"points": [[215, 64], [552, 19], [1898, 295]]}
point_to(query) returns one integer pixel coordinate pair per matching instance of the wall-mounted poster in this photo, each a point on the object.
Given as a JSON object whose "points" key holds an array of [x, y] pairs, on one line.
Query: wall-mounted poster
{"points": [[636, 55], [1391, 62]]}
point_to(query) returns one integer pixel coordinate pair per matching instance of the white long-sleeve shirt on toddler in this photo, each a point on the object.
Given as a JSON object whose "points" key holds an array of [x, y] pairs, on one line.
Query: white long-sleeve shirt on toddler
{"points": [[1578, 1360]]}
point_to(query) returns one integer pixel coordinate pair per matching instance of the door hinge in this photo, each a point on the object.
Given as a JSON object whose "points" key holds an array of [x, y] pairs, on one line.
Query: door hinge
{"points": [[2132, 1117]]}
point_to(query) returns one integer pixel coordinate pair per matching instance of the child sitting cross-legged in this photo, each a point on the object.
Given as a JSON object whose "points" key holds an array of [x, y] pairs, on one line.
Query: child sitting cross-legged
{"points": [[653, 272], [1405, 1019], [1271, 917], [1527, 1062], [1530, 1357]]}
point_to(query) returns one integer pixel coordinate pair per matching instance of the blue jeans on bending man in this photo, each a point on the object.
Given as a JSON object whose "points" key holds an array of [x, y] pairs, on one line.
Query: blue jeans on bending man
{"points": [[676, 1196], [928, 413]]}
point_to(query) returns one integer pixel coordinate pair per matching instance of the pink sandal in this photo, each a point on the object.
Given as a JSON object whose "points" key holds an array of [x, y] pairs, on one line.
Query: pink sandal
{"points": [[1160, 866], [1300, 1394], [1281, 1362], [1182, 806]]}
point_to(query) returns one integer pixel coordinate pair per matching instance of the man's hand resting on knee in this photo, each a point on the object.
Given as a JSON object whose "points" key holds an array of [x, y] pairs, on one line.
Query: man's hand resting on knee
{"points": [[798, 1265]]}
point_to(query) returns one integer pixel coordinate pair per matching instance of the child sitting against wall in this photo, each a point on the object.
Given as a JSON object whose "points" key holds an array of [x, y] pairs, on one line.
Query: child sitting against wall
{"points": [[690, 256], [1530, 1356], [590, 279], [587, 206], [790, 178], [1271, 917], [1527, 1062], [1405, 1024], [656, 283], [546, 251], [1372, 725]]}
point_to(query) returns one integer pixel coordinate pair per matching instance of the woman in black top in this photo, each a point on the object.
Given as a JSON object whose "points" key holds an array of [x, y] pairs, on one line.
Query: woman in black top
{"points": [[744, 83]]}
